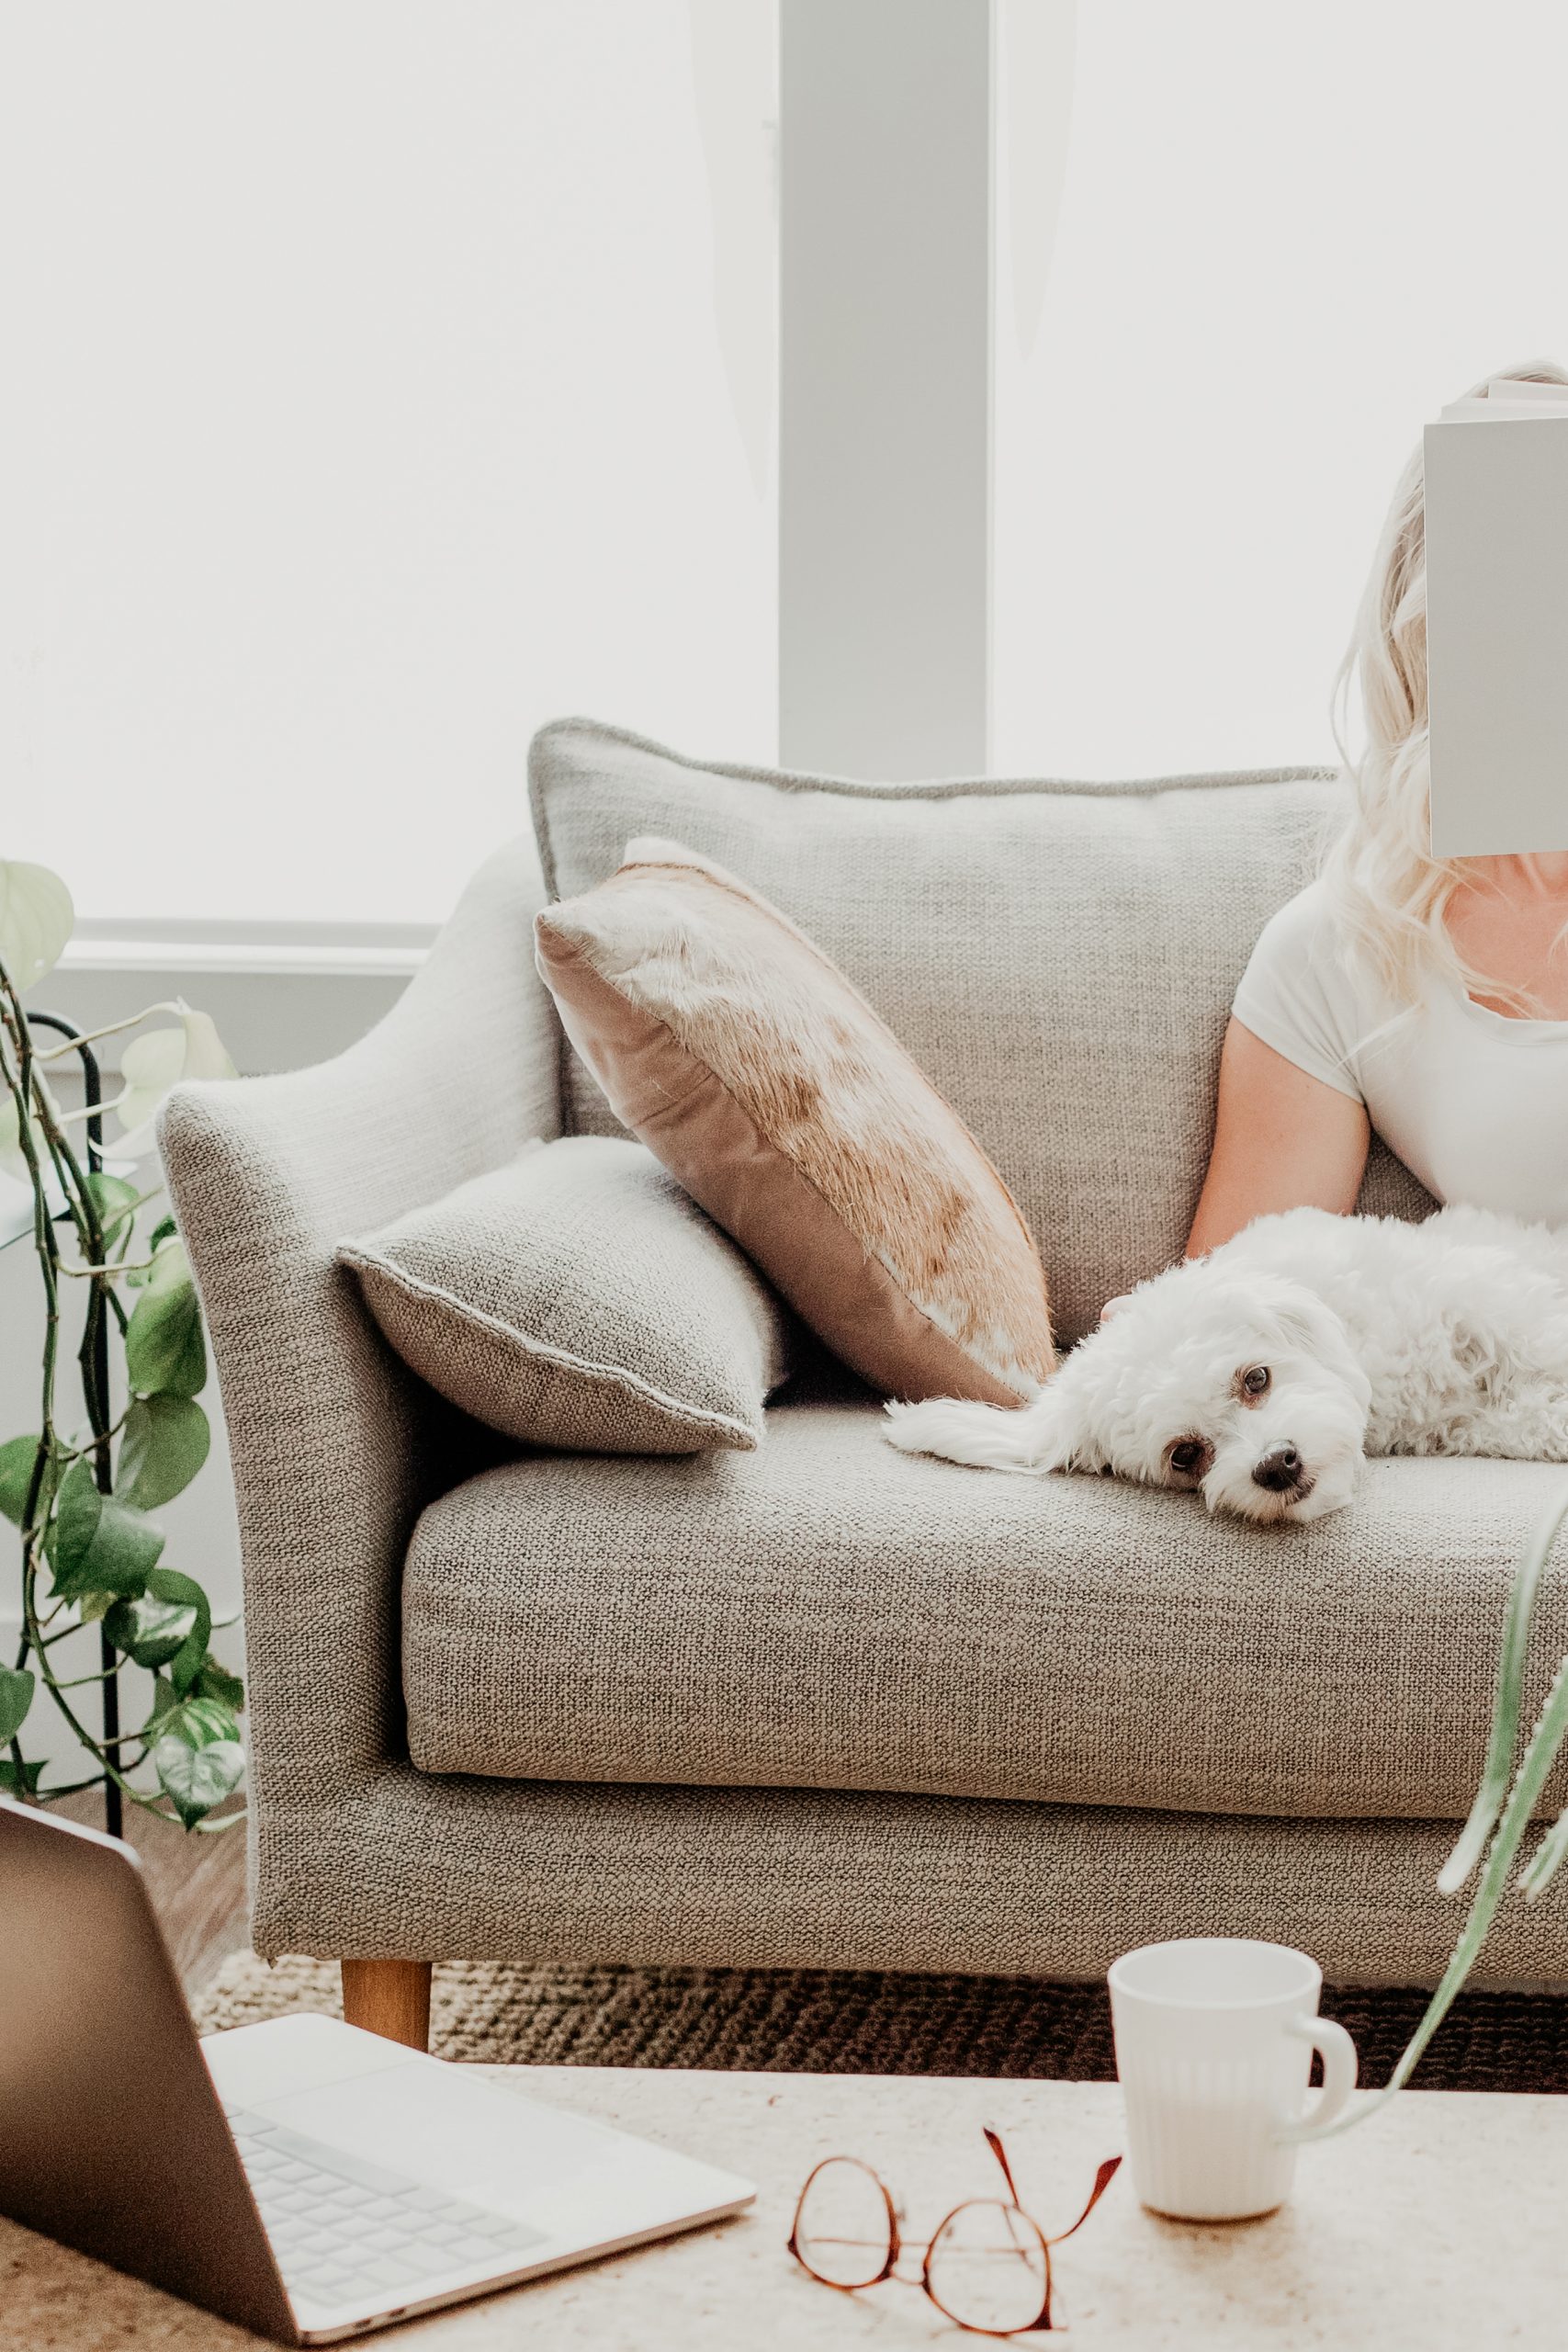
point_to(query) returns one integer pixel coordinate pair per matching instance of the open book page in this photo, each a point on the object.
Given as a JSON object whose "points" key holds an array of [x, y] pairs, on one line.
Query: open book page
{"points": [[1505, 397]]}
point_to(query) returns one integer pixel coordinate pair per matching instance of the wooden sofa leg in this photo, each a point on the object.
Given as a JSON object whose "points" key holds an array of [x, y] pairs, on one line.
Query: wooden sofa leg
{"points": [[391, 1997]]}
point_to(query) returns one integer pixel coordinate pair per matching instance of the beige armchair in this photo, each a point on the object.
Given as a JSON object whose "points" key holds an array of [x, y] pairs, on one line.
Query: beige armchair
{"points": [[820, 1704]]}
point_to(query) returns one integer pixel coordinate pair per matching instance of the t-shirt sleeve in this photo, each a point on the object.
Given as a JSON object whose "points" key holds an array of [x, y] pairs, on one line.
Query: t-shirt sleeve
{"points": [[1298, 995]]}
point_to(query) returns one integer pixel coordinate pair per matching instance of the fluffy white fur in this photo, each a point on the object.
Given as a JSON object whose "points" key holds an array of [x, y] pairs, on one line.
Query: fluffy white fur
{"points": [[1377, 1336]]}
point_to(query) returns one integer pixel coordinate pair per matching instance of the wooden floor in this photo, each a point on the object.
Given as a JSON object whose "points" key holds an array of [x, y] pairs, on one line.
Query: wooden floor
{"points": [[197, 1884]]}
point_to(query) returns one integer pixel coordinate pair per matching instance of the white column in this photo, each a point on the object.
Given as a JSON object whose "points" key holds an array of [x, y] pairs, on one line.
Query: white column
{"points": [[885, 426]]}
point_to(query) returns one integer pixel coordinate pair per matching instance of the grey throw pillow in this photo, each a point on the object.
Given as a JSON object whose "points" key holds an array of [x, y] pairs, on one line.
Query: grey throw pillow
{"points": [[578, 1298]]}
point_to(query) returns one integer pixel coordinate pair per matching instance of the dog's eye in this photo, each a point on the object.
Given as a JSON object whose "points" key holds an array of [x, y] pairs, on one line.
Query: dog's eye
{"points": [[1256, 1382], [1187, 1456]]}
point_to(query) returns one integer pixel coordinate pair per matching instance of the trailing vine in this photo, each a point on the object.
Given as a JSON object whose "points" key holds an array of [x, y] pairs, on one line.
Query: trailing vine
{"points": [[83, 1492]]}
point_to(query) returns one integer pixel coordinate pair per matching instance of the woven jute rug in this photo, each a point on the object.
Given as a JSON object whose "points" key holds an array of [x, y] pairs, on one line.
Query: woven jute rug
{"points": [[840, 2021]]}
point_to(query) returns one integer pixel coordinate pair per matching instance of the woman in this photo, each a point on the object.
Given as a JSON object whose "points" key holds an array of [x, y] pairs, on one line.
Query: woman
{"points": [[1426, 1000]]}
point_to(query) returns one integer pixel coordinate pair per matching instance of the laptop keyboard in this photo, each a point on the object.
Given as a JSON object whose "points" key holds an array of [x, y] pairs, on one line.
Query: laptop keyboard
{"points": [[347, 2232]]}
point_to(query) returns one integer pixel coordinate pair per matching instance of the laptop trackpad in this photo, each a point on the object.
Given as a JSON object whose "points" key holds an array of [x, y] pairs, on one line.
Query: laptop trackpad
{"points": [[432, 2124]]}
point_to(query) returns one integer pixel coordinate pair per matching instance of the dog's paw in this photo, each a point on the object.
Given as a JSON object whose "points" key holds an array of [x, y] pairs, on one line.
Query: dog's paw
{"points": [[985, 1437]]}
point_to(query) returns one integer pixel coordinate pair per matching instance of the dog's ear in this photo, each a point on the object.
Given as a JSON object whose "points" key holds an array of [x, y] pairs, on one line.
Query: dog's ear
{"points": [[1304, 1320], [1113, 1306]]}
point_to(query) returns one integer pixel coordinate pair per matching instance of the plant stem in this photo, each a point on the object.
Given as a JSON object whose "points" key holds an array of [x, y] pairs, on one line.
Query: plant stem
{"points": [[92, 1110], [19, 1083], [110, 1029], [111, 1270], [71, 1788], [94, 1360], [27, 1091]]}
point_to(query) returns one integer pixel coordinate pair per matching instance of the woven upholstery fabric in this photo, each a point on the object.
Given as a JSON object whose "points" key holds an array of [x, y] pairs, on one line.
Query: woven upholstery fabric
{"points": [[416, 1867], [336, 1445], [768, 1086], [1058, 958], [577, 1297], [828, 1613]]}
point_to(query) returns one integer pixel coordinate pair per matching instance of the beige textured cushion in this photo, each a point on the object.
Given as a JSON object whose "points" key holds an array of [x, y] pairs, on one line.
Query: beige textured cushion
{"points": [[578, 1298], [826, 1614], [784, 1105], [1058, 958]]}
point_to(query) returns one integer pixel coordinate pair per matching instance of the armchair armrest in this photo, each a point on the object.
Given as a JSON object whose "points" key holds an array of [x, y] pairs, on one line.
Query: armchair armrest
{"points": [[337, 1447]]}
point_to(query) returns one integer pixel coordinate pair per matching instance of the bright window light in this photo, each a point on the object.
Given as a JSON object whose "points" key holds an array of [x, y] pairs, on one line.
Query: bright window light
{"points": [[377, 386], [1284, 238]]}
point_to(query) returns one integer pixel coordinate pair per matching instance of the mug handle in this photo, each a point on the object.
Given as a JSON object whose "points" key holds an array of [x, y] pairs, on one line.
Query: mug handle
{"points": [[1338, 2052]]}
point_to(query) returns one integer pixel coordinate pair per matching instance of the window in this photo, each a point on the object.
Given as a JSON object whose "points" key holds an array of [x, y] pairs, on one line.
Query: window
{"points": [[378, 386], [1275, 242], [387, 381]]}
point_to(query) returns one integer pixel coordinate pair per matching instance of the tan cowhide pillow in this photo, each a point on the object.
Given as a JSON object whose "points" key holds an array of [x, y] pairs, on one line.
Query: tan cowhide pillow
{"points": [[791, 1112]]}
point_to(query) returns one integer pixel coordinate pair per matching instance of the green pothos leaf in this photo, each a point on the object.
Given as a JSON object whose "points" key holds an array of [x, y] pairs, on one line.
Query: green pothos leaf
{"points": [[98, 1543], [166, 1441], [214, 1681], [115, 1201], [36, 921], [15, 1697], [150, 1632], [166, 1585], [164, 1349], [199, 1721], [163, 1231], [196, 1778], [17, 1458]]}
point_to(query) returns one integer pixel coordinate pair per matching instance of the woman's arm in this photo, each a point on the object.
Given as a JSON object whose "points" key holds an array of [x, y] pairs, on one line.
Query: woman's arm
{"points": [[1282, 1140]]}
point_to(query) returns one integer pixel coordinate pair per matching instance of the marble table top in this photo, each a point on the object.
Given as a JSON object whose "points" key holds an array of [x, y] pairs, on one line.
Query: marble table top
{"points": [[1442, 2222]]}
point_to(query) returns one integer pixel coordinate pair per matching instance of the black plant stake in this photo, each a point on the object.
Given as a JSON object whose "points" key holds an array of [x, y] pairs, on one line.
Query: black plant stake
{"points": [[95, 1362]]}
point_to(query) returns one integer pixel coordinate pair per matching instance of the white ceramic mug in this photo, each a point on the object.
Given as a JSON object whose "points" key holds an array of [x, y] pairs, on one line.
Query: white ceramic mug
{"points": [[1215, 2036]]}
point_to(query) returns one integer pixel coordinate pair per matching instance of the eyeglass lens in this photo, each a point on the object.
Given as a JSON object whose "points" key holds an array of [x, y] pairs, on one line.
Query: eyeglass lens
{"points": [[988, 2268], [844, 2230]]}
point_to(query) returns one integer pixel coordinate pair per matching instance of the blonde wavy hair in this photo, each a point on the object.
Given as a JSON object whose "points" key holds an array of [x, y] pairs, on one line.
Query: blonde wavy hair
{"points": [[1389, 891]]}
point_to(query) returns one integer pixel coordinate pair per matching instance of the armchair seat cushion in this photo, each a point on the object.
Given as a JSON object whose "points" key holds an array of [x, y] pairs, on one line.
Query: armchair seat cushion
{"points": [[826, 1613]]}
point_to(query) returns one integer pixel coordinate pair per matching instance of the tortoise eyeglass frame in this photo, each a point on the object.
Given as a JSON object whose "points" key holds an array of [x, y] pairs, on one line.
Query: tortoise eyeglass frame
{"points": [[1039, 2324]]}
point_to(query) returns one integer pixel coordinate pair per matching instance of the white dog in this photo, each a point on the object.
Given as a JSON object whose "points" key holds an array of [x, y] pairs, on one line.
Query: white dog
{"points": [[1258, 1376]]}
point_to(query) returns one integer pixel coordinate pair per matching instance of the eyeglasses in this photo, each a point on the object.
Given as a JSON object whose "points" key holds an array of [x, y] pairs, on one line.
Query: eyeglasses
{"points": [[988, 2268]]}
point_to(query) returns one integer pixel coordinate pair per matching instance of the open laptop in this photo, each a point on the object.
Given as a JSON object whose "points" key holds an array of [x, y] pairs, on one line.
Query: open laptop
{"points": [[300, 2178]]}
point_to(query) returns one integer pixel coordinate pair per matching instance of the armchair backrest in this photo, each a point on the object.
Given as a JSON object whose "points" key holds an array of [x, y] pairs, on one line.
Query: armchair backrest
{"points": [[1059, 958]]}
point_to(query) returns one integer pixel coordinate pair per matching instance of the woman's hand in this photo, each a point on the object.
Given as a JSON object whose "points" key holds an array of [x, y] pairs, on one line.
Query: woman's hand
{"points": [[1282, 1140]]}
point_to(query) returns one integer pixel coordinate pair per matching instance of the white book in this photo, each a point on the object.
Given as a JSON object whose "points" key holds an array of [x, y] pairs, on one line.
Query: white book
{"points": [[1497, 494]]}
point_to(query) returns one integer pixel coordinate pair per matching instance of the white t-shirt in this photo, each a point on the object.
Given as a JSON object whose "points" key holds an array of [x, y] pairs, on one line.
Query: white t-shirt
{"points": [[1475, 1104]]}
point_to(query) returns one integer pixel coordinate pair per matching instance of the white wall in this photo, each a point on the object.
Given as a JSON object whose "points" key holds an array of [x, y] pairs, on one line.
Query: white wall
{"points": [[1244, 254]]}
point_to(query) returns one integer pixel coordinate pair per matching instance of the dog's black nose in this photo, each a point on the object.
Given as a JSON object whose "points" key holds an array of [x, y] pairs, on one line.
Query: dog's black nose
{"points": [[1278, 1468]]}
